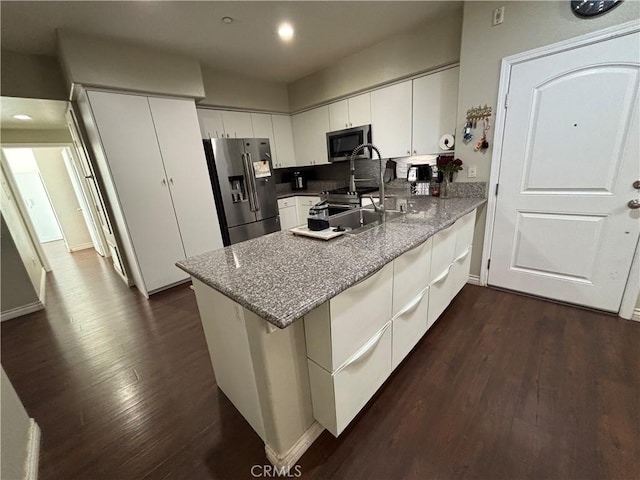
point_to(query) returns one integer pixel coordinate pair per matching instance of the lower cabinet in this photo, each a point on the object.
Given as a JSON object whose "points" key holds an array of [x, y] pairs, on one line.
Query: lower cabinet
{"points": [[303, 206], [355, 340], [339, 396], [295, 210]]}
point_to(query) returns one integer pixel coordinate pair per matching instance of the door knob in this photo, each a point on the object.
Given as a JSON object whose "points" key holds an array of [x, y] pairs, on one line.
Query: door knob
{"points": [[635, 203], [636, 184]]}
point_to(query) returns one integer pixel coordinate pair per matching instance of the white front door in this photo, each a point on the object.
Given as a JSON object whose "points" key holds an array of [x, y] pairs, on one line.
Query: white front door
{"points": [[563, 228]]}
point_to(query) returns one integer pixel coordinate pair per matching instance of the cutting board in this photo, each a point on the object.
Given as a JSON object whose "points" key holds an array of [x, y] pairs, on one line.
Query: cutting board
{"points": [[326, 234]]}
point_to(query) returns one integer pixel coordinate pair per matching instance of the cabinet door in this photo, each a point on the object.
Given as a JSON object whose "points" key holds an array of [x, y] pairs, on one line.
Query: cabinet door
{"points": [[391, 119], [411, 275], [129, 141], [237, 124], [339, 115], [263, 128], [186, 168], [283, 139], [289, 218], [360, 110], [310, 136], [409, 326], [435, 104], [210, 123]]}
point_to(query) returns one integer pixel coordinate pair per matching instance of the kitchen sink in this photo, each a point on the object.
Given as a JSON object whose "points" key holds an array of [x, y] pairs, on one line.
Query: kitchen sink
{"points": [[360, 220]]}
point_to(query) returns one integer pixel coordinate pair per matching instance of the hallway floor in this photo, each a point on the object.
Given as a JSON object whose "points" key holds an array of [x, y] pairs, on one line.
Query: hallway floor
{"points": [[502, 387]]}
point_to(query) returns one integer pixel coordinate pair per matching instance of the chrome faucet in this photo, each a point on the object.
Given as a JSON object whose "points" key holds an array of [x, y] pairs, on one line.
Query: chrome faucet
{"points": [[352, 177]]}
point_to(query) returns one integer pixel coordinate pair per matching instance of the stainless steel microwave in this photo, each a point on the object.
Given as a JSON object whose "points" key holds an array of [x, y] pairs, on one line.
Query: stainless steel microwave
{"points": [[341, 143]]}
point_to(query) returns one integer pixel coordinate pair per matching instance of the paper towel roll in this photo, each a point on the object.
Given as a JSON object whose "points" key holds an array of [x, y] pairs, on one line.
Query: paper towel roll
{"points": [[446, 142]]}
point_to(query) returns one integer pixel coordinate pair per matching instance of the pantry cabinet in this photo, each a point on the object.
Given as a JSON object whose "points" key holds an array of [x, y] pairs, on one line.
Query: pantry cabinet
{"points": [[391, 119], [435, 105], [153, 160], [310, 136]]}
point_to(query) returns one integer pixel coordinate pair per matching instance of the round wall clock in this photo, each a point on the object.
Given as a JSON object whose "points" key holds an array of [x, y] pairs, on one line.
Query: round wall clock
{"points": [[591, 8]]}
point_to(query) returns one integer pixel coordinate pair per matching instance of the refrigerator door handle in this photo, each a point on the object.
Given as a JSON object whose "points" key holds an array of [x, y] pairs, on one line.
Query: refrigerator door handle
{"points": [[247, 174], [254, 185]]}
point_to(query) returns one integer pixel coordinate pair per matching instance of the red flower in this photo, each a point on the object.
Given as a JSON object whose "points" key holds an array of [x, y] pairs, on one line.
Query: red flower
{"points": [[457, 162]]}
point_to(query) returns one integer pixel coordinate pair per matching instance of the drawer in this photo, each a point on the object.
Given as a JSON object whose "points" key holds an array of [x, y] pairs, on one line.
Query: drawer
{"points": [[286, 202], [307, 201], [411, 274], [338, 397], [439, 294], [338, 328], [409, 326], [442, 251], [464, 233], [460, 271]]}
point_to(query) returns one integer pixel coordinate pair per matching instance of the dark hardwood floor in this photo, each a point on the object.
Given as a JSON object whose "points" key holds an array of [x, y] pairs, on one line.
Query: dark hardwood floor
{"points": [[502, 387]]}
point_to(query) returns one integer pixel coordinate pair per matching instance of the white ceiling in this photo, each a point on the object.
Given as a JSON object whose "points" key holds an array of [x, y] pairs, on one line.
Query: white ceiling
{"points": [[45, 114], [325, 31]]}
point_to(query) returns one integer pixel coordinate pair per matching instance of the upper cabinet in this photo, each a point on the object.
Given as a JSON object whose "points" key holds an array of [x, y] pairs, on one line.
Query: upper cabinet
{"points": [[391, 119], [224, 124], [352, 112], [263, 128], [283, 134], [310, 136], [435, 103]]}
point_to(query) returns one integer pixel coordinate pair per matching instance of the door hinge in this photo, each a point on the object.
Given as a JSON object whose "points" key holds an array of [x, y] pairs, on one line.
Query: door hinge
{"points": [[497, 185], [488, 264], [506, 101]]}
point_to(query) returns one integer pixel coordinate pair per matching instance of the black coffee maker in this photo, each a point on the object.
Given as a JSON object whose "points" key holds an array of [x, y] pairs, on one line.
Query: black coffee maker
{"points": [[298, 181]]}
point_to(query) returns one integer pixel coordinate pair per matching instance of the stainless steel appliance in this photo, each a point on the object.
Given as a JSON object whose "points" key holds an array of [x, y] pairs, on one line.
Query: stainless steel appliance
{"points": [[298, 182], [343, 199], [341, 143], [243, 186]]}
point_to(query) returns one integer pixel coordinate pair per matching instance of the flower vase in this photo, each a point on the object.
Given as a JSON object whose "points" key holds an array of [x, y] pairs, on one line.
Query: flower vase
{"points": [[444, 187]]}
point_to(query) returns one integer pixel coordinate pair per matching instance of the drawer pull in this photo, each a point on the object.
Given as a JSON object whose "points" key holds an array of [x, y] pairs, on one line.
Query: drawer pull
{"points": [[364, 350], [442, 276], [463, 256], [414, 303]]}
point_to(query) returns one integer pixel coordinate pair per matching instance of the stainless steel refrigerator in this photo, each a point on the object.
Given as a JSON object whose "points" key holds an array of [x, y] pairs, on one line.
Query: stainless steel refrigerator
{"points": [[243, 186]]}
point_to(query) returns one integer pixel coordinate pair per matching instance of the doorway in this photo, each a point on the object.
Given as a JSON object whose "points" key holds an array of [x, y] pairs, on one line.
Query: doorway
{"points": [[565, 221]]}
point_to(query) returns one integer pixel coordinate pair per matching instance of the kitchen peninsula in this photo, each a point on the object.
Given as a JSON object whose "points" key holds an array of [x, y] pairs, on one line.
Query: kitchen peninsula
{"points": [[303, 332]]}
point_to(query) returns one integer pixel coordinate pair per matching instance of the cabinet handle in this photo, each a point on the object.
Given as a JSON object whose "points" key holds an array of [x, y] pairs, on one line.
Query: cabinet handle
{"points": [[346, 124], [414, 303], [164, 182], [414, 152], [443, 275], [171, 181], [408, 152], [463, 256], [364, 350]]}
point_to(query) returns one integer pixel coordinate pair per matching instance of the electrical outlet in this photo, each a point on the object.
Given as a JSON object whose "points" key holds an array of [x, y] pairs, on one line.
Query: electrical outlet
{"points": [[498, 16], [472, 172]]}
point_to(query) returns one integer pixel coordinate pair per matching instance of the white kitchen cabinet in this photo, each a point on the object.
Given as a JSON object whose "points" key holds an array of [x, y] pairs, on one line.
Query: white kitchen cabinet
{"points": [[339, 396], [339, 327], [391, 119], [310, 136], [263, 128], [237, 124], [154, 162], [443, 250], [283, 139], [351, 112], [409, 325], [288, 217], [303, 205], [210, 121], [435, 104], [411, 275], [460, 272], [224, 124]]}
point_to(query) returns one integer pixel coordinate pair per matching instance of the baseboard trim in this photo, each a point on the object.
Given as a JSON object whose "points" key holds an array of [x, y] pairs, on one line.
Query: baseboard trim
{"points": [[82, 246], [42, 294], [20, 311], [290, 458], [636, 315], [33, 453], [474, 279]]}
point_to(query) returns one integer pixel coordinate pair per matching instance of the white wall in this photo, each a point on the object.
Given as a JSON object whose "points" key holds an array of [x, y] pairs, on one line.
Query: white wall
{"points": [[32, 137], [104, 62], [527, 25], [16, 289], [65, 203], [431, 45], [16, 433], [230, 90], [31, 76]]}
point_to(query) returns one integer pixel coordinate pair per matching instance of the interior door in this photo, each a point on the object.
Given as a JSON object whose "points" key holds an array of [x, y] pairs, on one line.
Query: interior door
{"points": [[563, 227]]}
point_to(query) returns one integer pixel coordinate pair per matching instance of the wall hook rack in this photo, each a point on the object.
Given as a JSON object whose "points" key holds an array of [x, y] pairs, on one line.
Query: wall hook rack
{"points": [[477, 113]]}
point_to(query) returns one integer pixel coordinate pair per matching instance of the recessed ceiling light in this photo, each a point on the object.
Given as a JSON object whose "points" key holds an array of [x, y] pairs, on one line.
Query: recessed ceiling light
{"points": [[285, 31], [21, 116], [227, 20]]}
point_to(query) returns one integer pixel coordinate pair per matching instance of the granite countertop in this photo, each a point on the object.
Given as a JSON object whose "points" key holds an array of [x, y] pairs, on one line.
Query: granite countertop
{"points": [[281, 277]]}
